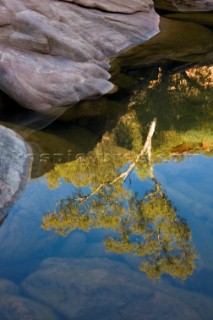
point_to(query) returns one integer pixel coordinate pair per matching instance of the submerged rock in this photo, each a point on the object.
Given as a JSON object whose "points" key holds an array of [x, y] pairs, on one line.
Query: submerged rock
{"points": [[15, 165], [8, 287], [107, 289], [18, 308], [56, 53]]}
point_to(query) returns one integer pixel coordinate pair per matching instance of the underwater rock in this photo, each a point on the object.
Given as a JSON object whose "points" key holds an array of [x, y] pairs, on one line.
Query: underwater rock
{"points": [[18, 308], [15, 166], [56, 53], [83, 288], [201, 281], [8, 287], [74, 245], [18, 241]]}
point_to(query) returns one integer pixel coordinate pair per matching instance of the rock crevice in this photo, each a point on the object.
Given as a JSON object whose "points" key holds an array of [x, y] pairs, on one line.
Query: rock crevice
{"points": [[116, 6]]}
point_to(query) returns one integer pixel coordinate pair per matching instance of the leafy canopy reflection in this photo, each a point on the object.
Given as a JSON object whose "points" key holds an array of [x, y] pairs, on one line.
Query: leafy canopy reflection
{"points": [[149, 227]]}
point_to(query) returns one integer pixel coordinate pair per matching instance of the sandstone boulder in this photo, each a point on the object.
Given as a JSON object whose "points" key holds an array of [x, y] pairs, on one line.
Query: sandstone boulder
{"points": [[56, 53]]}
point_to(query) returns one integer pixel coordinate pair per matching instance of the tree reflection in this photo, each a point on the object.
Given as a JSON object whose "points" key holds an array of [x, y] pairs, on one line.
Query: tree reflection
{"points": [[181, 99], [183, 107], [153, 230], [149, 227]]}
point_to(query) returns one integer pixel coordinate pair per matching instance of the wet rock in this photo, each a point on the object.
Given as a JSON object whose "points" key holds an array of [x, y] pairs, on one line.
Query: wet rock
{"points": [[166, 5], [15, 166], [86, 109], [53, 147], [178, 40], [8, 287], [107, 289], [184, 5], [193, 5], [18, 308], [204, 18], [66, 46]]}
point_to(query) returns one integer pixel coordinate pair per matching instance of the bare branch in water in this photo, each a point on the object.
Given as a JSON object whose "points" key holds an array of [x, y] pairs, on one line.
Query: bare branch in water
{"points": [[146, 150]]}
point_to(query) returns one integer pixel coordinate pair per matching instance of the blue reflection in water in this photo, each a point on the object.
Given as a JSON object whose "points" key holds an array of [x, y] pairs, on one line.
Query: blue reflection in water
{"points": [[24, 245]]}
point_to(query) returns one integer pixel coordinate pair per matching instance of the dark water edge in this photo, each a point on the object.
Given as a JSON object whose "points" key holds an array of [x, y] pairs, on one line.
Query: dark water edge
{"points": [[132, 248]]}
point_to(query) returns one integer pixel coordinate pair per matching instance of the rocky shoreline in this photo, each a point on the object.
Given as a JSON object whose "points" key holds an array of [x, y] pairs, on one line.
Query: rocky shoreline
{"points": [[57, 53]]}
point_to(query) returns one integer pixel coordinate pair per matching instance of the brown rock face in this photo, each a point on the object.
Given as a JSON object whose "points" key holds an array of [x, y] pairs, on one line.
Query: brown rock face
{"points": [[177, 40], [184, 5], [194, 5], [56, 53]]}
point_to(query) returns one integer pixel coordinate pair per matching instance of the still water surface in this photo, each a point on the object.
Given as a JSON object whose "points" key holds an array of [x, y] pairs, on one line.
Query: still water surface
{"points": [[84, 241]]}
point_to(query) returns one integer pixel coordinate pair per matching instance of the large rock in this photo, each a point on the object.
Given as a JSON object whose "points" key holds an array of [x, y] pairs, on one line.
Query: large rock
{"points": [[15, 165], [56, 53]]}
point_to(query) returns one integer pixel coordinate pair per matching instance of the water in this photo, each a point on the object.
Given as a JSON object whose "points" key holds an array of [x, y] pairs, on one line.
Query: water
{"points": [[84, 241]]}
